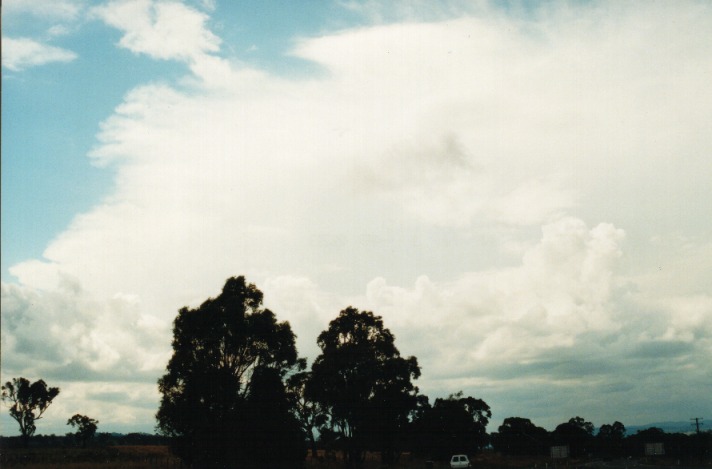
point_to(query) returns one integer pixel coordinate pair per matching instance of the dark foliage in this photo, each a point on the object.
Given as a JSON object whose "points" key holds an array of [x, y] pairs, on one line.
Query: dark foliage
{"points": [[224, 386], [273, 431], [676, 445], [609, 440], [577, 434], [132, 439], [27, 403], [364, 384], [519, 436], [451, 426], [86, 428], [310, 414], [100, 439]]}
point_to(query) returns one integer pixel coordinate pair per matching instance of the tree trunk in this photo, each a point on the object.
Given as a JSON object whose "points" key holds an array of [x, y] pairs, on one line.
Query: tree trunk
{"points": [[314, 450]]}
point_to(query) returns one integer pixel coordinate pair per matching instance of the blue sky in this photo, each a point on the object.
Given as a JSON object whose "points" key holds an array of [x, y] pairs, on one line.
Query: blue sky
{"points": [[53, 116], [521, 191]]}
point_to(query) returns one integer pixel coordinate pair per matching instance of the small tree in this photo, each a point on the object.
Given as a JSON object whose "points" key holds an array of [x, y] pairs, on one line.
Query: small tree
{"points": [[86, 427], [27, 403]]}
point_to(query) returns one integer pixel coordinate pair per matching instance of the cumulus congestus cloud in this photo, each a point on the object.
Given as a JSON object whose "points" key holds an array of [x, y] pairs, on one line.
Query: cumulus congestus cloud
{"points": [[521, 197]]}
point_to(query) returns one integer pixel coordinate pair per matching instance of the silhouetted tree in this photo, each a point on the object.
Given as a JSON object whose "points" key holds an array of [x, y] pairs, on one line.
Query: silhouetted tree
{"points": [[273, 432], [86, 428], [519, 436], [310, 413], [577, 434], [224, 383], [610, 439], [582, 424], [364, 384], [636, 444], [27, 403], [453, 425]]}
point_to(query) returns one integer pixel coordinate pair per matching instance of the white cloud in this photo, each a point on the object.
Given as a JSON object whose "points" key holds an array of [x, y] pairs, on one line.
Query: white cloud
{"points": [[562, 289], [21, 53], [66, 334], [563, 323], [492, 163], [62, 10], [58, 30], [162, 30], [209, 5]]}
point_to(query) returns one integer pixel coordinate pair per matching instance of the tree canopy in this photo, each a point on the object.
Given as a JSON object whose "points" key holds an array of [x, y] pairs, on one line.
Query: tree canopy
{"points": [[86, 427], [364, 384], [311, 414], [453, 425], [28, 401], [519, 436], [229, 355], [577, 434], [610, 439]]}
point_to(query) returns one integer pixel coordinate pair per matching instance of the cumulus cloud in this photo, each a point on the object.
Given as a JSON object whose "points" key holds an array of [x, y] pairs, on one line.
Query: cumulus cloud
{"points": [[21, 53], [162, 30], [501, 166], [65, 334], [88, 347], [562, 289], [564, 322]]}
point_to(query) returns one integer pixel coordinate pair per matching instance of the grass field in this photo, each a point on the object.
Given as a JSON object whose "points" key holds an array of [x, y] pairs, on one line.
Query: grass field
{"points": [[154, 457], [110, 457]]}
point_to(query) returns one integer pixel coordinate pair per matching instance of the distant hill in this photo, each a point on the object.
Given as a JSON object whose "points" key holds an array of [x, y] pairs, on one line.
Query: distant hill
{"points": [[667, 427]]}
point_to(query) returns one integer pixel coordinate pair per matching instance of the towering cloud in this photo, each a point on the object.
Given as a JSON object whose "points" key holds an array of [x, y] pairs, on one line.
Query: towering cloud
{"points": [[521, 198]]}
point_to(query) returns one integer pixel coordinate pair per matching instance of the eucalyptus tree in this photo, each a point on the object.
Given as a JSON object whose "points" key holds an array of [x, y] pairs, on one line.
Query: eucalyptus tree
{"points": [[577, 434], [224, 386], [27, 401], [310, 413], [610, 439], [519, 436], [86, 427], [456, 424], [364, 385]]}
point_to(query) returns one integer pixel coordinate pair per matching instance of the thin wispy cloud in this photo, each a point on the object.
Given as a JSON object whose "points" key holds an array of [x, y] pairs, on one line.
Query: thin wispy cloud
{"points": [[22, 53], [56, 10]]}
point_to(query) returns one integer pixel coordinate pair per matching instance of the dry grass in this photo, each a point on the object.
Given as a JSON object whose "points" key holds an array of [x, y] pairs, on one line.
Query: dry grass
{"points": [[407, 461], [155, 457], [130, 457]]}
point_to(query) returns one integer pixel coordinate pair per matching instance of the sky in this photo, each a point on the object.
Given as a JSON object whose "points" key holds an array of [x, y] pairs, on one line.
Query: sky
{"points": [[520, 189]]}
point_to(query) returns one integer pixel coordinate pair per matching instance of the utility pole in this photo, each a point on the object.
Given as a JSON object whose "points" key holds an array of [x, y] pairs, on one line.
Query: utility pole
{"points": [[697, 423]]}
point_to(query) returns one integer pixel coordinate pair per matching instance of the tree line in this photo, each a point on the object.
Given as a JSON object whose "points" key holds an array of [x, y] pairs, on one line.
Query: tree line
{"points": [[519, 436], [98, 440], [237, 394]]}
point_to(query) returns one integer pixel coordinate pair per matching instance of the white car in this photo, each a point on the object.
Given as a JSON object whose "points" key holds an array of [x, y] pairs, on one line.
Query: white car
{"points": [[459, 460]]}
